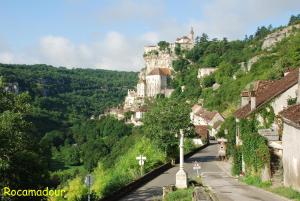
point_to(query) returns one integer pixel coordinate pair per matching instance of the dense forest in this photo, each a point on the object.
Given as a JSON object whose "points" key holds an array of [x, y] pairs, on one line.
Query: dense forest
{"points": [[46, 126], [50, 140]]}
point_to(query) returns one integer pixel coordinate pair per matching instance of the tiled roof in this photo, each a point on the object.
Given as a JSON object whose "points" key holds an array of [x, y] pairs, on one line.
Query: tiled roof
{"points": [[217, 124], [202, 112], [160, 71], [292, 114], [267, 90], [205, 114]]}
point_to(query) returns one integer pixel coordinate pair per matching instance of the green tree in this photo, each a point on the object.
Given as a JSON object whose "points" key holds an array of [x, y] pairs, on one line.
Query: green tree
{"points": [[164, 120], [21, 163]]}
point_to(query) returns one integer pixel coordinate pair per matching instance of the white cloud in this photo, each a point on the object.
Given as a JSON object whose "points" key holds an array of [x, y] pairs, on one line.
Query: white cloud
{"points": [[126, 10], [6, 57], [234, 18], [150, 37], [153, 22]]}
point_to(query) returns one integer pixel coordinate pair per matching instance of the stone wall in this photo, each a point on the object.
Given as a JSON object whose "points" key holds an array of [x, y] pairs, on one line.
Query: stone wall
{"points": [[291, 156], [280, 102]]}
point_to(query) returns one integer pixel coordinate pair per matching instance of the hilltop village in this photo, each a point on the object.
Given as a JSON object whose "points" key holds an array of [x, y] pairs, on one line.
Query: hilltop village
{"points": [[232, 105], [274, 104]]}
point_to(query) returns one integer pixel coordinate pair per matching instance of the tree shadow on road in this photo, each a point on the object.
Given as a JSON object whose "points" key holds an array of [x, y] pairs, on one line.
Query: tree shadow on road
{"points": [[152, 193]]}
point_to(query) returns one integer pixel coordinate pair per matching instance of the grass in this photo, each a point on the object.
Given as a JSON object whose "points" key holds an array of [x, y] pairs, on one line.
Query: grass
{"points": [[180, 195], [286, 192], [282, 191], [256, 181]]}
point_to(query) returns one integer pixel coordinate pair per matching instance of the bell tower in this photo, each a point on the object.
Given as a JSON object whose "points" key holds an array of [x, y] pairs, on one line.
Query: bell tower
{"points": [[192, 34]]}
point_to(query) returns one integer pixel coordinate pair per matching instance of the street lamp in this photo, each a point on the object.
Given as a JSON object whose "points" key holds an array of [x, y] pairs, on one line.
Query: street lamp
{"points": [[181, 175]]}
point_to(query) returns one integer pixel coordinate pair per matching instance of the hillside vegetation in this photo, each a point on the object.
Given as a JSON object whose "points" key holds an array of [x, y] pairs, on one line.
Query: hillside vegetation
{"points": [[56, 140]]}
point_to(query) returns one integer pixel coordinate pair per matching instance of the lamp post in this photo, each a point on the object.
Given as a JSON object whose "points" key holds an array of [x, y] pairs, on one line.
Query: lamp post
{"points": [[181, 175]]}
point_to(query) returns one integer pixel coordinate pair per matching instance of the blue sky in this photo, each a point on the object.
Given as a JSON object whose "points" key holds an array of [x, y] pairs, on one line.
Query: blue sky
{"points": [[111, 34]]}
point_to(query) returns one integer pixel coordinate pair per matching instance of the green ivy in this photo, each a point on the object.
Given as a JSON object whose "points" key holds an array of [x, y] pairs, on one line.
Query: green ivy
{"points": [[268, 115], [255, 148], [237, 161]]}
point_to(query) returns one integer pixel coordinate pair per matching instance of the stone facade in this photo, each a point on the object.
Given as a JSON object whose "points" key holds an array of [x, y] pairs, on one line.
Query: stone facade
{"points": [[158, 67], [291, 148], [154, 57], [141, 88], [281, 102], [291, 156]]}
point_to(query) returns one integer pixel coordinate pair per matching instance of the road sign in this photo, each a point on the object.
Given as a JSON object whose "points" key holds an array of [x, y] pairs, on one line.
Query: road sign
{"points": [[197, 167], [141, 160], [88, 180]]}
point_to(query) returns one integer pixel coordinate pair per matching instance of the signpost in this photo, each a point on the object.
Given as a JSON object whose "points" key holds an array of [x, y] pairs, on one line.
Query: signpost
{"points": [[197, 167], [88, 182], [141, 160]]}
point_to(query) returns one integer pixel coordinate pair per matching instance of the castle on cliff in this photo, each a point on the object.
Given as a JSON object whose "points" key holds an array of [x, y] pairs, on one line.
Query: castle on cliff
{"points": [[153, 78]]}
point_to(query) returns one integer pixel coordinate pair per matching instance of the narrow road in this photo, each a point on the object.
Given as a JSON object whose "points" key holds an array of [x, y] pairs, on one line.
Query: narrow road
{"points": [[225, 187]]}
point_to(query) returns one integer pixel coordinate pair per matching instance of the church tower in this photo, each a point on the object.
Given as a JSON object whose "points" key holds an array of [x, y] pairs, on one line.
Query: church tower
{"points": [[191, 36]]}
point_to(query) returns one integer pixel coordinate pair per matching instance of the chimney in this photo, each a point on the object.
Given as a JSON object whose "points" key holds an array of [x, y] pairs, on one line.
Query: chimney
{"points": [[245, 98], [298, 92], [253, 100]]}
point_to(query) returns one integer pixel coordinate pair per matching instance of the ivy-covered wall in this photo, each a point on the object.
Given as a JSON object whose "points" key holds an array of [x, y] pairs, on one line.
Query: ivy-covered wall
{"points": [[254, 150]]}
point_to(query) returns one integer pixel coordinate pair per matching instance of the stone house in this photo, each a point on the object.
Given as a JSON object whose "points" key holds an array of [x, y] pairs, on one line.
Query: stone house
{"points": [[273, 92], [202, 117], [272, 95], [291, 148], [156, 81]]}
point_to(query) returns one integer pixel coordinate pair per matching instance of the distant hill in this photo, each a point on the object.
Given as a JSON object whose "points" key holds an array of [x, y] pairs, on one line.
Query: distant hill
{"points": [[83, 92]]}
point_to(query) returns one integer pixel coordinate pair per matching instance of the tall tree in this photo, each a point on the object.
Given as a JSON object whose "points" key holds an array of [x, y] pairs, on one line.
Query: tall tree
{"points": [[166, 117]]}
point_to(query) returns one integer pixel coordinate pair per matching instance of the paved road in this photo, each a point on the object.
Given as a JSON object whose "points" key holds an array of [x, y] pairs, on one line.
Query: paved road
{"points": [[225, 187]]}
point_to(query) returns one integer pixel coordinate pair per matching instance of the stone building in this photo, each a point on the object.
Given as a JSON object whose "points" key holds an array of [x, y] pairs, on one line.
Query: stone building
{"points": [[275, 92], [155, 57], [141, 88], [156, 81], [291, 148], [270, 94], [291, 142], [202, 117]]}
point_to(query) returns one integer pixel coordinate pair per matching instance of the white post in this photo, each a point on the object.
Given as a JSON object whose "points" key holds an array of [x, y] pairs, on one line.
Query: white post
{"points": [[181, 148], [181, 175]]}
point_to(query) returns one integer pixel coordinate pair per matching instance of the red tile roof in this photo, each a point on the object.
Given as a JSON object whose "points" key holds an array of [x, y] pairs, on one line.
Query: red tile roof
{"points": [[267, 90], [160, 71], [205, 114], [292, 115]]}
